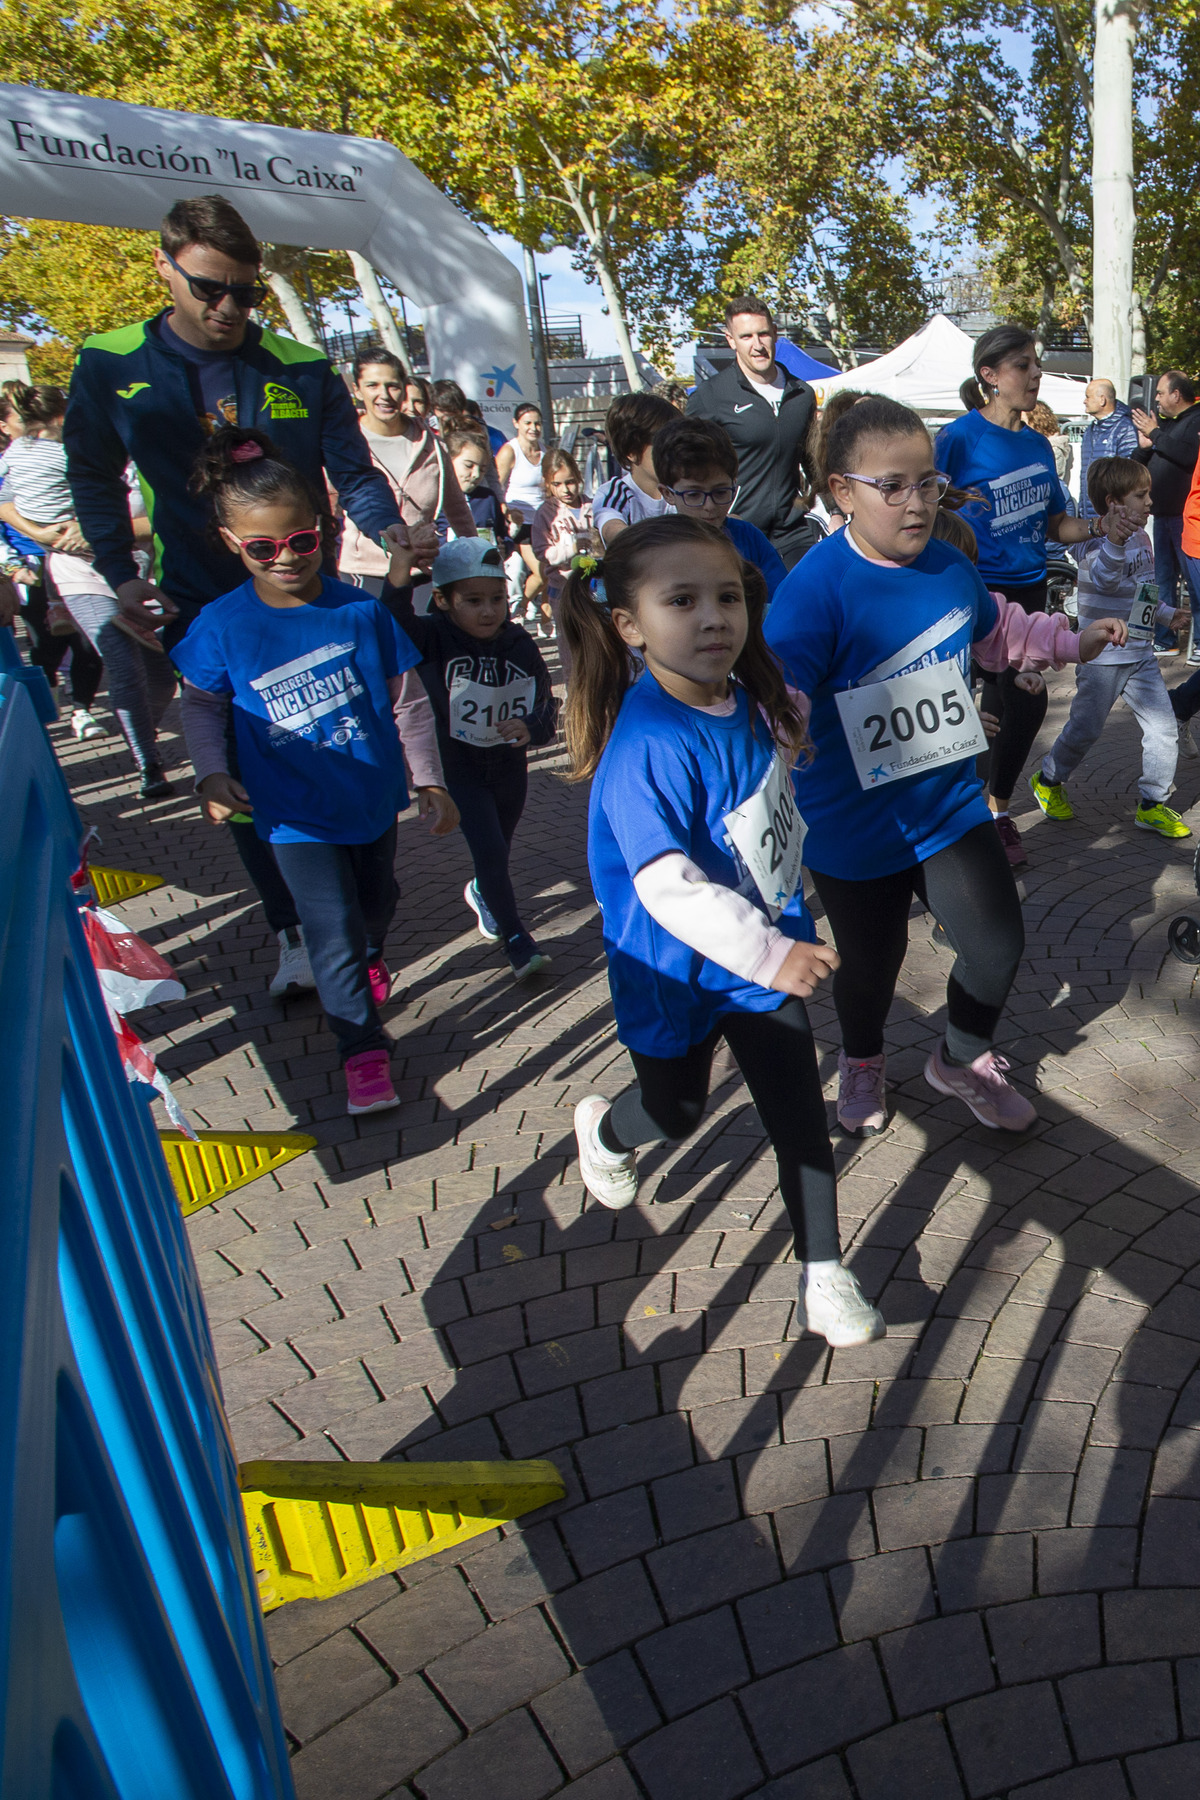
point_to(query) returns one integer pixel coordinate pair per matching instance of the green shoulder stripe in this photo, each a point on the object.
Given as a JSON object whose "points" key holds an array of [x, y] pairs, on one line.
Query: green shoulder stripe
{"points": [[287, 350], [122, 342]]}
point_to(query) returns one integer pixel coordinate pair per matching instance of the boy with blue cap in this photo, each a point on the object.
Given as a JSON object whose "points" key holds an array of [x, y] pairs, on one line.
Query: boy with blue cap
{"points": [[492, 698]]}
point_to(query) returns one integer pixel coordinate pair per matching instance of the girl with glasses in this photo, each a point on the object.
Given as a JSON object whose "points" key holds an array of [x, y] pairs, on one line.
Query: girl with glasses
{"points": [[876, 629], [318, 685]]}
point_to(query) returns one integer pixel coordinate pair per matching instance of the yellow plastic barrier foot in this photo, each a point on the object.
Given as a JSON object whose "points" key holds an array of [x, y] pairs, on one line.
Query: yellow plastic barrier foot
{"points": [[113, 885], [215, 1163], [317, 1529]]}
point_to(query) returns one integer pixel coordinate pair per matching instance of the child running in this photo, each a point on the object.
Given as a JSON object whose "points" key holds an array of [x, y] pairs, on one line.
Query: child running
{"points": [[563, 528], [697, 469], [629, 425], [876, 627], [1116, 575], [319, 679], [694, 850], [492, 699]]}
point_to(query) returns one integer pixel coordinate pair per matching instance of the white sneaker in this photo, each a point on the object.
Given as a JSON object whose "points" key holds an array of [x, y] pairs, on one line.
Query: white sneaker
{"points": [[833, 1306], [294, 973], [610, 1179], [84, 726], [1187, 742]]}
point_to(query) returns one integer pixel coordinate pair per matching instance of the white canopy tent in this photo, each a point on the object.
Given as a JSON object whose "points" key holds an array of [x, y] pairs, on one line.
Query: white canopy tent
{"points": [[928, 368], [64, 156]]}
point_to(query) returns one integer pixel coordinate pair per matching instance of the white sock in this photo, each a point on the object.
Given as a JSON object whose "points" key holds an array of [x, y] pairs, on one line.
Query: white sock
{"points": [[1001, 815], [813, 1271]]}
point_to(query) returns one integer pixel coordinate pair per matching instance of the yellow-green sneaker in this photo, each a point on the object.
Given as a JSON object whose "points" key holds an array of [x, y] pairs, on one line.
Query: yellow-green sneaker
{"points": [[1160, 818], [1051, 796]]}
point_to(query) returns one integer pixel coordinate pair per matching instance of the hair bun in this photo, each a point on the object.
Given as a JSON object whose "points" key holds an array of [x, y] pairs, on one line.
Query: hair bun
{"points": [[246, 452]]}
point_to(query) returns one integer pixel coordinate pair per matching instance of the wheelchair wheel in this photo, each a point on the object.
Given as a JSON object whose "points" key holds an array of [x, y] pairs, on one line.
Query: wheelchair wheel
{"points": [[1183, 939]]}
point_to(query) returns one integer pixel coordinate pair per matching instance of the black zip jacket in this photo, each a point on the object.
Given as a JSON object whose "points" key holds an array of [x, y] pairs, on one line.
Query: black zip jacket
{"points": [[1171, 460], [452, 660], [769, 443]]}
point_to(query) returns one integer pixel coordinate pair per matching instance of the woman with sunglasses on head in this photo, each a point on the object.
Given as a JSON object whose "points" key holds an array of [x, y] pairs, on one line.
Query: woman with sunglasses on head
{"points": [[876, 630], [1019, 503], [322, 687]]}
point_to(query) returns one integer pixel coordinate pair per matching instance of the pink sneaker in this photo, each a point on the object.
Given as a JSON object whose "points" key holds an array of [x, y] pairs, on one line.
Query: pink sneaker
{"points": [[983, 1087], [369, 1082], [380, 980], [861, 1107], [1010, 837]]}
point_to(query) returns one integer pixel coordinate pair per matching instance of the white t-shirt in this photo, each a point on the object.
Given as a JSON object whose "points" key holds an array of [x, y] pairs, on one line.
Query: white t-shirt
{"points": [[621, 498], [770, 391]]}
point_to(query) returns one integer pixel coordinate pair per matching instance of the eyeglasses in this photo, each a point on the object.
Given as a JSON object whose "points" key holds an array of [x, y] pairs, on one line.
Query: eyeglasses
{"points": [[695, 497], [269, 550], [244, 294], [930, 489]]}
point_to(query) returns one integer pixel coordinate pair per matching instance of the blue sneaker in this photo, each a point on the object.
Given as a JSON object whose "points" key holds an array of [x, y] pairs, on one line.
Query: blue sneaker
{"points": [[488, 927], [524, 957]]}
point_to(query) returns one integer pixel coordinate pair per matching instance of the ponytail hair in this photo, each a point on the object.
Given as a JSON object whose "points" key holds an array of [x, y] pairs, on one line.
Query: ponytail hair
{"points": [[241, 466], [34, 405], [990, 351], [602, 665]]}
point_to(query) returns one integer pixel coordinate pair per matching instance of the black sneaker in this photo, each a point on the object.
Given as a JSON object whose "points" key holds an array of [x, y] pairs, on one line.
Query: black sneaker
{"points": [[524, 957], [155, 785]]}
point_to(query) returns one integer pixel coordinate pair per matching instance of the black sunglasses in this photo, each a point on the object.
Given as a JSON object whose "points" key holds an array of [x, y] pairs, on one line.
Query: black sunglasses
{"points": [[244, 294]]}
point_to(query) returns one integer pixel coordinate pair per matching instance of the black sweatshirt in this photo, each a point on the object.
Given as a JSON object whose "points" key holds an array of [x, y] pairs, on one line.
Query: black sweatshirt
{"points": [[770, 442], [1171, 459], [461, 675]]}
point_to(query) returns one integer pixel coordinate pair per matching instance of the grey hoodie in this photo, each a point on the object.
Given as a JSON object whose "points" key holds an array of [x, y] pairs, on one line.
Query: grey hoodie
{"points": [[1114, 435]]}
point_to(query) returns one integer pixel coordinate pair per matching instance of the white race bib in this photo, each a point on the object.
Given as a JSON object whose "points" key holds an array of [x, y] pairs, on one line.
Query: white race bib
{"points": [[476, 710], [769, 835], [910, 724], [1141, 613]]}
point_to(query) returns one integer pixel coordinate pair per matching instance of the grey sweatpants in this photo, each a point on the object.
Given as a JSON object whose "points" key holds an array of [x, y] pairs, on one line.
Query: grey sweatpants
{"points": [[1098, 687], [141, 682]]}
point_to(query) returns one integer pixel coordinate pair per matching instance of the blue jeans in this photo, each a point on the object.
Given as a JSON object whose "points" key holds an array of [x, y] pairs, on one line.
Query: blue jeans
{"points": [[1170, 566], [489, 792], [1098, 687], [346, 896]]}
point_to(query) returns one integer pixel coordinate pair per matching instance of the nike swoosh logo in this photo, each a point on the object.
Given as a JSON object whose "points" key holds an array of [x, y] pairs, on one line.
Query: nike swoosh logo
{"points": [[745, 408], [136, 388]]}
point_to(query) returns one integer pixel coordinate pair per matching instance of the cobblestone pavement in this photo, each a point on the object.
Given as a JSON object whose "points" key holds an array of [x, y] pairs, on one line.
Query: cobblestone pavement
{"points": [[963, 1561]]}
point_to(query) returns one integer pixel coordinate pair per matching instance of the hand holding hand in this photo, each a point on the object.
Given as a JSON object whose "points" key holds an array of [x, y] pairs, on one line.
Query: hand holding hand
{"points": [[1095, 638], [804, 966], [142, 597], [435, 804], [1029, 682], [221, 796], [400, 567], [514, 731], [423, 540]]}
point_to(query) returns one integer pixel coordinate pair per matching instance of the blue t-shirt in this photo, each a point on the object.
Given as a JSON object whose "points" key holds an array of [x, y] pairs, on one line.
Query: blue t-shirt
{"points": [[317, 744], [753, 547], [1015, 472], [836, 621], [667, 778]]}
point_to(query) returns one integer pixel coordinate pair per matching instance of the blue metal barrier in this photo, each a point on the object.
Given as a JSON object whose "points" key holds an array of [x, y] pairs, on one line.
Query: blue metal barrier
{"points": [[131, 1644]]}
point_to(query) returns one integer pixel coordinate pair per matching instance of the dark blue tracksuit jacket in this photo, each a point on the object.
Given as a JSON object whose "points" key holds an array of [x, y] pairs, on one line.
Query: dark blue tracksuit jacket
{"points": [[131, 399]]}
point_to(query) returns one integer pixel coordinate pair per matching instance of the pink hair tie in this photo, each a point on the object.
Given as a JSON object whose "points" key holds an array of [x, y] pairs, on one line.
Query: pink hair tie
{"points": [[247, 452]]}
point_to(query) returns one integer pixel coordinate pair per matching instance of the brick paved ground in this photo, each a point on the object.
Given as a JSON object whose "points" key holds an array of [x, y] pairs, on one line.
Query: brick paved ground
{"points": [[961, 1561]]}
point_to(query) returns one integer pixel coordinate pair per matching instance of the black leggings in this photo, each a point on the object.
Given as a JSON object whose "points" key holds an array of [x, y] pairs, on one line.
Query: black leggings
{"points": [[1020, 714], [47, 649], [490, 803], [969, 888], [777, 1056]]}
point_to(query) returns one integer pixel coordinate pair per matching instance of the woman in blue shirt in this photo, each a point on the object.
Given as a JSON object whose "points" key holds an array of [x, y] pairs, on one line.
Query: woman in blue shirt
{"points": [[991, 451]]}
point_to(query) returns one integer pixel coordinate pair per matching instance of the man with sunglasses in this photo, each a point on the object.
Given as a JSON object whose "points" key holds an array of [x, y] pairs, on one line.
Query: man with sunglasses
{"points": [[767, 413], [150, 394]]}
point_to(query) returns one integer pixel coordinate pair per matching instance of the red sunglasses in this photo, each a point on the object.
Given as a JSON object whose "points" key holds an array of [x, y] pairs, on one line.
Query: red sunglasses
{"points": [[269, 550]]}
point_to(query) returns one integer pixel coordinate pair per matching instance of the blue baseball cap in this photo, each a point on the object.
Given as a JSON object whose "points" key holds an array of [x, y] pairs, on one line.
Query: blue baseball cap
{"points": [[466, 556]]}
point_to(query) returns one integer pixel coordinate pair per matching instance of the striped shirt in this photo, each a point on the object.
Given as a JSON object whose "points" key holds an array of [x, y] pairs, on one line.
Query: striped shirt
{"points": [[621, 499], [34, 475]]}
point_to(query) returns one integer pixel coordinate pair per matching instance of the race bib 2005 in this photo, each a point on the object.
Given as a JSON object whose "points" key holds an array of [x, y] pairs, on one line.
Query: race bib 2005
{"points": [[768, 833], [910, 724], [476, 711], [1141, 613]]}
